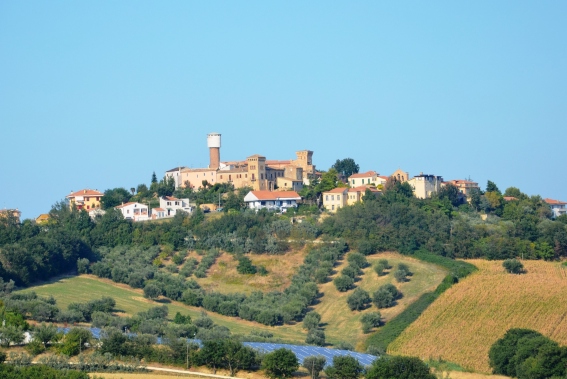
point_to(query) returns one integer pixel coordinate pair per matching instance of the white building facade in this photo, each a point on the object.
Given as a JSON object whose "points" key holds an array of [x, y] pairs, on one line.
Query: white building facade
{"points": [[134, 211], [277, 200], [173, 204], [424, 186]]}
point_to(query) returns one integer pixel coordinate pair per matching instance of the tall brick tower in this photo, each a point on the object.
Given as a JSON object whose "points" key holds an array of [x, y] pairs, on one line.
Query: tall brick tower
{"points": [[214, 144]]}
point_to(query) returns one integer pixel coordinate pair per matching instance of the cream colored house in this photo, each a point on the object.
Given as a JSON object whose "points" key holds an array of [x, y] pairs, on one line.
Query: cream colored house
{"points": [[356, 194], [464, 186], [424, 186], [360, 179], [335, 199]]}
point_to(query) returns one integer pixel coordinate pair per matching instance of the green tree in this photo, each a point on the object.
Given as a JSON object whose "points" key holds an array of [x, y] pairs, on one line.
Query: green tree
{"points": [[311, 320], [115, 197], [152, 291], [513, 266], [491, 187], [45, 334], [344, 367], [154, 178], [370, 320], [314, 365], [280, 364], [344, 283], [245, 266], [212, 354], [358, 300], [315, 337], [400, 368], [451, 193], [346, 167]]}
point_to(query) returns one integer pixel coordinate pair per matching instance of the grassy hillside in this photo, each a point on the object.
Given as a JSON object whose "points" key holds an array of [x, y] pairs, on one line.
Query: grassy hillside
{"points": [[129, 301], [342, 324], [468, 318], [223, 277]]}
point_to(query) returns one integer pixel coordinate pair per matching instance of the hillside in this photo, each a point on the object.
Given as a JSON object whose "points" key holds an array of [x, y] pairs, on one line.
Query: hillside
{"points": [[468, 318], [343, 324]]}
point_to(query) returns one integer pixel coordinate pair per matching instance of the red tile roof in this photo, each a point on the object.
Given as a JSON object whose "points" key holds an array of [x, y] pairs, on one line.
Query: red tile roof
{"points": [[362, 189], [509, 198], [554, 202], [269, 195], [85, 192], [158, 209], [170, 198], [126, 204], [337, 190], [363, 175]]}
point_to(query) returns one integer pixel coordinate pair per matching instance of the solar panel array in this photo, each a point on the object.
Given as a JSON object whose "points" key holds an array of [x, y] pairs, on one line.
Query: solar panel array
{"points": [[300, 351]]}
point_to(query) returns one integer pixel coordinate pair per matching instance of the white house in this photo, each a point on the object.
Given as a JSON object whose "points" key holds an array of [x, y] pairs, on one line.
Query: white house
{"points": [[134, 211], [363, 178], [425, 185], [277, 200], [557, 207], [173, 204], [158, 213]]}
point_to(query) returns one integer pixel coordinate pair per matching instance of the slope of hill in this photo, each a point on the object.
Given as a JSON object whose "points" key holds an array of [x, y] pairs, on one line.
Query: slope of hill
{"points": [[343, 324], [467, 319]]}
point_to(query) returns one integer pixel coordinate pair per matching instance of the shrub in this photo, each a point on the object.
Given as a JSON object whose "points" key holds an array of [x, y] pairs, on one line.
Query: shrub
{"points": [[245, 266], [280, 364], [386, 296], [358, 300], [400, 368], [314, 365], [513, 266], [311, 320], [315, 337], [370, 320], [344, 367], [401, 275], [350, 271], [357, 260], [152, 291], [379, 269], [344, 283]]}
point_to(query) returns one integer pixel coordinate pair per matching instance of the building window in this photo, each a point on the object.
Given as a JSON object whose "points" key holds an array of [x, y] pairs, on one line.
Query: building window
{"points": [[327, 197], [338, 197], [333, 197], [332, 207]]}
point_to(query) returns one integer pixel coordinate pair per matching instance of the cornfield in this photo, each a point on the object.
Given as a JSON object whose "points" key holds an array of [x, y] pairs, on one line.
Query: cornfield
{"points": [[467, 319]]}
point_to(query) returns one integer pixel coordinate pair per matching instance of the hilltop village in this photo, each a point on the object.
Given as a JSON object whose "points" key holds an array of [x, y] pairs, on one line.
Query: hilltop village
{"points": [[273, 185]]}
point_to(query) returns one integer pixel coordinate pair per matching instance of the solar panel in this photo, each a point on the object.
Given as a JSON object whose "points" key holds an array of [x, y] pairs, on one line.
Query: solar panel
{"points": [[300, 351]]}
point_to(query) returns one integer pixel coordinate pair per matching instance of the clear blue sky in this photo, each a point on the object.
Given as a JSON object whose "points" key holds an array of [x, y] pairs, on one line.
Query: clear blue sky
{"points": [[100, 94]]}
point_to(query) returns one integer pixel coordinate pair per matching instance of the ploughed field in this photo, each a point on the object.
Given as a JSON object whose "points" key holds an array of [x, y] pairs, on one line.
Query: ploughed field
{"points": [[464, 322]]}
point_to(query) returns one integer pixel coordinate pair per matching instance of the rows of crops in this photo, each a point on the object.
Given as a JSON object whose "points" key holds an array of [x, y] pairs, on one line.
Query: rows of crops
{"points": [[468, 318]]}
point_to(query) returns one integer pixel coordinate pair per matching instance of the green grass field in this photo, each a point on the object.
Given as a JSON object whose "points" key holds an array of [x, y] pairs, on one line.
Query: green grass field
{"points": [[339, 322], [342, 324], [130, 301]]}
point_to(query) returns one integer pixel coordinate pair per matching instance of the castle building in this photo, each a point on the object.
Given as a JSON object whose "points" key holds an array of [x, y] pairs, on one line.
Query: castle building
{"points": [[256, 171]]}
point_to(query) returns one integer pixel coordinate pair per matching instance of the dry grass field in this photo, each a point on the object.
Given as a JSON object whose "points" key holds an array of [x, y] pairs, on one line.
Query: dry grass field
{"points": [[342, 324], [468, 318], [223, 277]]}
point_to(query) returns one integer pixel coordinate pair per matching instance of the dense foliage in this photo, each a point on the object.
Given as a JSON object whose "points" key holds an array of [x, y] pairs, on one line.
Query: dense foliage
{"points": [[524, 353]]}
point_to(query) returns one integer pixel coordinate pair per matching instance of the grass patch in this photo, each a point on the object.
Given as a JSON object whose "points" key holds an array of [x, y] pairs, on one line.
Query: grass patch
{"points": [[130, 301], [342, 324]]}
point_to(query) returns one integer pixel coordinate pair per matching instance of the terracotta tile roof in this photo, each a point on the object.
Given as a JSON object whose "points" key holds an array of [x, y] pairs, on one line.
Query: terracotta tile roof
{"points": [[554, 202], [363, 189], [509, 198], [459, 181], [363, 175], [158, 209], [177, 169], [125, 204], [269, 195], [85, 192], [199, 170], [337, 190], [383, 177], [170, 198]]}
